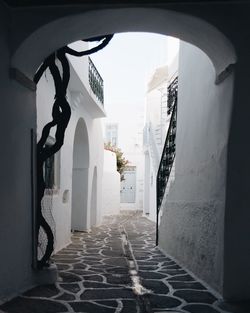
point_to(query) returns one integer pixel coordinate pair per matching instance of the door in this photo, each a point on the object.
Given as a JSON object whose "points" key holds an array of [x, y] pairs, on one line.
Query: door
{"points": [[128, 185]]}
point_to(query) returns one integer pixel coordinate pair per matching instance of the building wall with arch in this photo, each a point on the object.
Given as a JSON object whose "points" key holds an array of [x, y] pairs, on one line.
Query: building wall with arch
{"points": [[192, 224], [79, 159], [84, 24], [26, 39]]}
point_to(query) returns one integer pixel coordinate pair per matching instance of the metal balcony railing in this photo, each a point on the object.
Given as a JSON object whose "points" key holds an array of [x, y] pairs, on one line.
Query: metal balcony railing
{"points": [[96, 81], [168, 153]]}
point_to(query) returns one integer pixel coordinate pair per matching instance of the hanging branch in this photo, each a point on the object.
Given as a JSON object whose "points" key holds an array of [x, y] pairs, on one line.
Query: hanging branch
{"points": [[61, 113]]}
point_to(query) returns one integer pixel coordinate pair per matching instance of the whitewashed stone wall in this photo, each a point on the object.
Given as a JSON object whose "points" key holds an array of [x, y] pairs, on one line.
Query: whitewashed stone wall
{"points": [[192, 224], [111, 185], [155, 130], [84, 106]]}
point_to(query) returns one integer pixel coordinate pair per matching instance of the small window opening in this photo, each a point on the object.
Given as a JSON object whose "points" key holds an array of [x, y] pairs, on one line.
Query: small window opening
{"points": [[51, 169]]}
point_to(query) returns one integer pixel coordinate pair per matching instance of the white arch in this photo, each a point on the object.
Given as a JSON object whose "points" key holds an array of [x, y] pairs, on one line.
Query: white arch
{"points": [[81, 145], [62, 31], [80, 174]]}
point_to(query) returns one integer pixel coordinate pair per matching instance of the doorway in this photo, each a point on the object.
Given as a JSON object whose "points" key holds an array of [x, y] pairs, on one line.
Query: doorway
{"points": [[128, 185]]}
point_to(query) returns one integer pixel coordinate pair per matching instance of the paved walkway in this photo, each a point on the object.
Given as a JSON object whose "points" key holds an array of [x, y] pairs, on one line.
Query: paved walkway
{"points": [[117, 269]]}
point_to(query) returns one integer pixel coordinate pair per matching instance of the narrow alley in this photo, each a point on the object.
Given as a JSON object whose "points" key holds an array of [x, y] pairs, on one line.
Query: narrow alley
{"points": [[116, 268]]}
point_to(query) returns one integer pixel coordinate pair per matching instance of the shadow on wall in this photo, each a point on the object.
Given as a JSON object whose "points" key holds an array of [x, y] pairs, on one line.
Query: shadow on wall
{"points": [[98, 22]]}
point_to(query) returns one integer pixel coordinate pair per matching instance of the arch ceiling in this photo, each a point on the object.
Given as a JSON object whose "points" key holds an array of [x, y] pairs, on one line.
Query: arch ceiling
{"points": [[26, 3], [62, 31]]}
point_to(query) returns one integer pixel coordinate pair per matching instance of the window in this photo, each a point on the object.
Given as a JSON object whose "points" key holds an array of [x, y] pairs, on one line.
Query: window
{"points": [[113, 141], [111, 134], [51, 168]]}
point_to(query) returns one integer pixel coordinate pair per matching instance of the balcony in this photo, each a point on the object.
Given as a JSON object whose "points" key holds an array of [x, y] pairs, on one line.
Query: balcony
{"points": [[95, 81], [86, 87]]}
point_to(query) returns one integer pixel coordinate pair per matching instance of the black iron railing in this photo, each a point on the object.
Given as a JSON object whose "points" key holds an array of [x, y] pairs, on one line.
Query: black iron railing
{"points": [[168, 153], [172, 94], [95, 81]]}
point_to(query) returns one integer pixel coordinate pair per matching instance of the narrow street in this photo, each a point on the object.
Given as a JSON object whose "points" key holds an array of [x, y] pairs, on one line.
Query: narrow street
{"points": [[116, 268]]}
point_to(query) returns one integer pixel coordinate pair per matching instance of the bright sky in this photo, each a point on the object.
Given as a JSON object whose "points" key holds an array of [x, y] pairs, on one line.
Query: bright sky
{"points": [[126, 65]]}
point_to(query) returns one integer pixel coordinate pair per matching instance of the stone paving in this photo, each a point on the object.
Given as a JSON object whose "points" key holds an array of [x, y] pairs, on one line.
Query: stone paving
{"points": [[117, 269]]}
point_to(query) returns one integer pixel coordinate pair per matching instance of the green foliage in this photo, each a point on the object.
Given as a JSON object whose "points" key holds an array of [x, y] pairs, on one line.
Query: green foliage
{"points": [[121, 162]]}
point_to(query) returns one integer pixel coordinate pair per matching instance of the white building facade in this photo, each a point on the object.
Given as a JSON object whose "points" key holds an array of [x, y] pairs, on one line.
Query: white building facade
{"points": [[110, 185], [131, 143], [125, 134], [157, 118], [75, 188], [111, 134]]}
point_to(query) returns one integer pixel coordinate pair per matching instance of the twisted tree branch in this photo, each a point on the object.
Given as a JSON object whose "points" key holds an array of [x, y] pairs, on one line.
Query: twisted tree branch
{"points": [[61, 113]]}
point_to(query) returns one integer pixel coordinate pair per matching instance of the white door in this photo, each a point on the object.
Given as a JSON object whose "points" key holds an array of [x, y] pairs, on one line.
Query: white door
{"points": [[128, 185]]}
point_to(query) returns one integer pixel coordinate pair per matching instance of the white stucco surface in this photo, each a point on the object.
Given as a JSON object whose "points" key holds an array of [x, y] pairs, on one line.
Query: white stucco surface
{"points": [[136, 159], [111, 185], [192, 223], [130, 141], [155, 130], [149, 190], [81, 161]]}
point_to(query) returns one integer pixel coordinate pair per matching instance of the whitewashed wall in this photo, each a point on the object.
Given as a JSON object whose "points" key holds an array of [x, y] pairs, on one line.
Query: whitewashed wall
{"points": [[192, 224], [81, 103], [136, 159], [130, 142], [155, 132], [111, 185], [149, 188]]}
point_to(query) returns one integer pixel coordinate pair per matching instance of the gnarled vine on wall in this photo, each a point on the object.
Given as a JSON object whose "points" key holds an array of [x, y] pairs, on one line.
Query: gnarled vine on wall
{"points": [[61, 113]]}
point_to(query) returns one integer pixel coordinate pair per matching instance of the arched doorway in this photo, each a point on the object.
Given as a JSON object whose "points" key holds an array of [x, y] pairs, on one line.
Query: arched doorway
{"points": [[73, 27], [188, 28], [93, 205], [80, 178]]}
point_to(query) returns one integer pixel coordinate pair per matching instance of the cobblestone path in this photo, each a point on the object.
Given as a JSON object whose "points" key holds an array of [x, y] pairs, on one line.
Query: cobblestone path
{"points": [[117, 269]]}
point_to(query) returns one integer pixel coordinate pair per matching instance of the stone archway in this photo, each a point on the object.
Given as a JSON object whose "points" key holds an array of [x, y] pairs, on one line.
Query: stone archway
{"points": [[74, 27], [80, 176]]}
